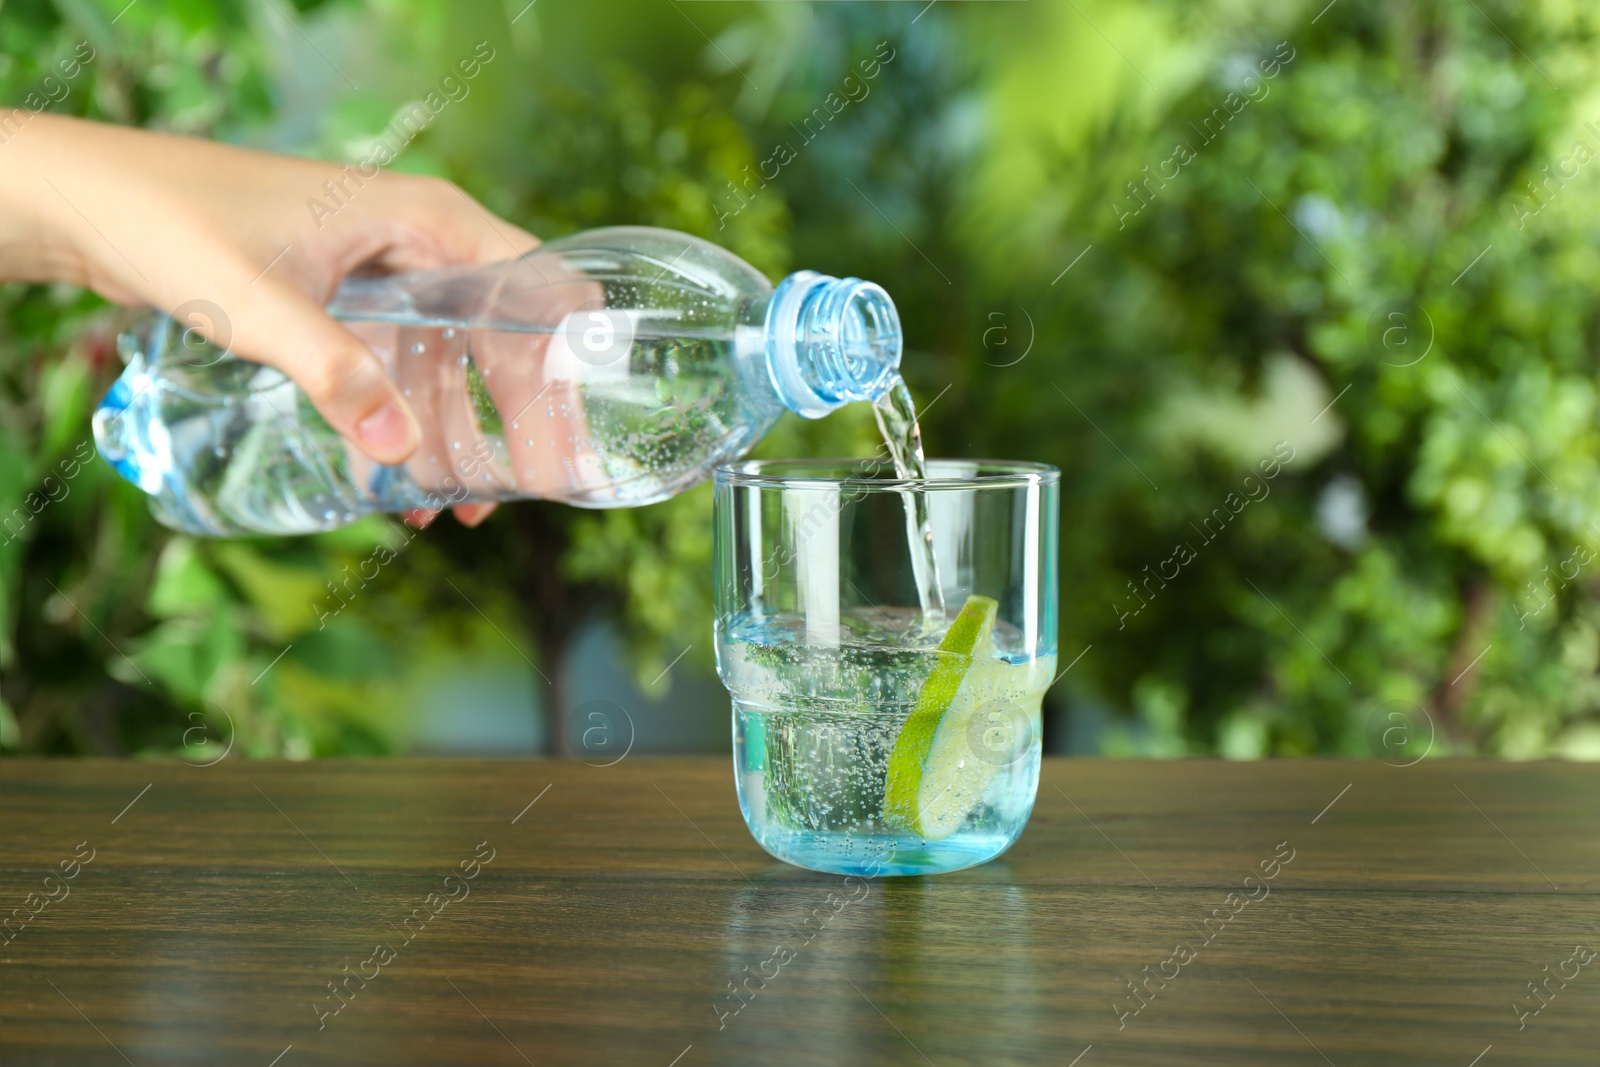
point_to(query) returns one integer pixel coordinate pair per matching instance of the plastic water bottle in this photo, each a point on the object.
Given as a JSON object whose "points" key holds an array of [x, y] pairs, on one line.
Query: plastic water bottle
{"points": [[610, 368]]}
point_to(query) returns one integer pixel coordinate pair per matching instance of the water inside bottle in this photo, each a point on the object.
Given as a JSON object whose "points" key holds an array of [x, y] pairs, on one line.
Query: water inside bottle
{"points": [[541, 412], [504, 412]]}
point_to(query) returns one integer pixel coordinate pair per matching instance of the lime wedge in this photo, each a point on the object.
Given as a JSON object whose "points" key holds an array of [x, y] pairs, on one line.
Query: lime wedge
{"points": [[934, 779]]}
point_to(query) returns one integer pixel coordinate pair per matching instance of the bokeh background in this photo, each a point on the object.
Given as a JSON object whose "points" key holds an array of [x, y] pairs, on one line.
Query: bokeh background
{"points": [[1167, 246]]}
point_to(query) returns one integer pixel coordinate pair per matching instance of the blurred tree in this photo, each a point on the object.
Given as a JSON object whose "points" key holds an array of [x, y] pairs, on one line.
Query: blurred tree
{"points": [[1283, 243]]}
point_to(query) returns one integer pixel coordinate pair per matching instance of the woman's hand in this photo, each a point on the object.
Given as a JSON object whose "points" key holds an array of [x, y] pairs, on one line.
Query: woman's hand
{"points": [[156, 219]]}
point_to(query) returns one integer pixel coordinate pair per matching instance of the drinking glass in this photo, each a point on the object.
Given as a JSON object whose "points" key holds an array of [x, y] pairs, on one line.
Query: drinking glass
{"points": [[876, 731]]}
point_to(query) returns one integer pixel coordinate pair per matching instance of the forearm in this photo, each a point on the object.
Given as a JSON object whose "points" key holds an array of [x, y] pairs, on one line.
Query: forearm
{"points": [[37, 243], [104, 206]]}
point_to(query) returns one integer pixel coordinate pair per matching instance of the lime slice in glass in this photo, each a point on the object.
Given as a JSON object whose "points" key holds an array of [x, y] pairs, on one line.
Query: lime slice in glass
{"points": [[935, 779]]}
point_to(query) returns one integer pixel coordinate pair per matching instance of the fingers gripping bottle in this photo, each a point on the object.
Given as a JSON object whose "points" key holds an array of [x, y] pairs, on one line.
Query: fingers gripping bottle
{"points": [[610, 368]]}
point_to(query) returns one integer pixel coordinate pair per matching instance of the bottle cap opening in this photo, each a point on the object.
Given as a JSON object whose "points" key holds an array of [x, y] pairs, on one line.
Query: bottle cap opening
{"points": [[830, 342]]}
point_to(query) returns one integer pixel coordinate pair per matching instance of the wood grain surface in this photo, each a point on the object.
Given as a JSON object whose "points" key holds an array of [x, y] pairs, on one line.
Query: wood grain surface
{"points": [[584, 915]]}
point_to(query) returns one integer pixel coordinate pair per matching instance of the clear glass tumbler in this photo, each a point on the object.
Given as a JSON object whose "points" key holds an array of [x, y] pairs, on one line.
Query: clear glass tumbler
{"points": [[876, 730]]}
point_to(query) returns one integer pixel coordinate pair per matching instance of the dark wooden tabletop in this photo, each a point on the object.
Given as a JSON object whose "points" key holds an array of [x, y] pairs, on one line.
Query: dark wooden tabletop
{"points": [[233, 914]]}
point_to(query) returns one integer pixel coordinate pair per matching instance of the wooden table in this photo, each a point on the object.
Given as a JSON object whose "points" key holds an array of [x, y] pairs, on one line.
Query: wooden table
{"points": [[1395, 916]]}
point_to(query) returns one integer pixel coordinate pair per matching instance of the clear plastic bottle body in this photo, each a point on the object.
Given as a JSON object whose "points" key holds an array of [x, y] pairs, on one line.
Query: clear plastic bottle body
{"points": [[611, 368]]}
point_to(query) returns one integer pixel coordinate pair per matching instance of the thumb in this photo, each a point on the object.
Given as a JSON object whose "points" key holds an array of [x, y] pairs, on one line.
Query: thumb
{"points": [[287, 330]]}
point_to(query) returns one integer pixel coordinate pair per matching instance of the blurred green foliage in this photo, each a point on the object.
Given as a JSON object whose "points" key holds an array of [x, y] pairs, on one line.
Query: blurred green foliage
{"points": [[1118, 244]]}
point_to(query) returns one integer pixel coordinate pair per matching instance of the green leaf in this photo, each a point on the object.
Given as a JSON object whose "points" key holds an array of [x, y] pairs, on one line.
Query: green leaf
{"points": [[184, 584]]}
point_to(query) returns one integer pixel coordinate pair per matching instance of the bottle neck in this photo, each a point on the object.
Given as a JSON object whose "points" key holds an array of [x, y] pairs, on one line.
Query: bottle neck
{"points": [[830, 342]]}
